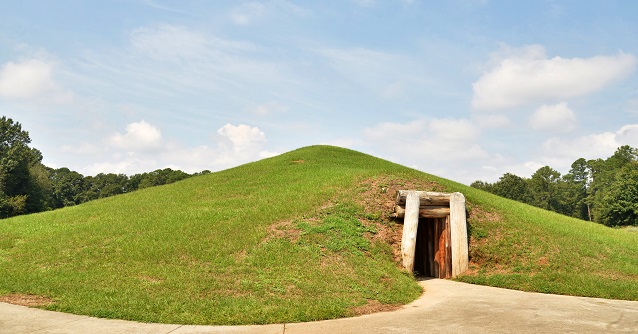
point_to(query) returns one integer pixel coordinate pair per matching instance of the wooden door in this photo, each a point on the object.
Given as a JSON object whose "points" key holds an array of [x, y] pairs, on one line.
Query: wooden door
{"points": [[439, 245]]}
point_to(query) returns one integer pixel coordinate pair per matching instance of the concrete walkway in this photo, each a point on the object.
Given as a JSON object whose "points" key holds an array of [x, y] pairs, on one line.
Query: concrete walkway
{"points": [[445, 307]]}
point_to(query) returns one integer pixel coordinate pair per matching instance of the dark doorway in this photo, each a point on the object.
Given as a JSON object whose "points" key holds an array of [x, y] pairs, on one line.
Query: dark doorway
{"points": [[433, 252]]}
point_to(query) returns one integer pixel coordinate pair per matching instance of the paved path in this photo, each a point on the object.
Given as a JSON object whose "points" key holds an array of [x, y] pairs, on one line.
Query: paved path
{"points": [[445, 307]]}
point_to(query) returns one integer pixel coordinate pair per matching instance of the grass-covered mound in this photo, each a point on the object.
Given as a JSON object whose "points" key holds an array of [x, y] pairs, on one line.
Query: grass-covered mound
{"points": [[522, 247], [280, 240], [301, 236]]}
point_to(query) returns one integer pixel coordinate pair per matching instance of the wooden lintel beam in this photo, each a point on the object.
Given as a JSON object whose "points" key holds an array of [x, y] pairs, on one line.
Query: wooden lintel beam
{"points": [[436, 211], [428, 198]]}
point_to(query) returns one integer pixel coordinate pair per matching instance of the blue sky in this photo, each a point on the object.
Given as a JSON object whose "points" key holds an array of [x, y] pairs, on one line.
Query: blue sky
{"points": [[464, 89]]}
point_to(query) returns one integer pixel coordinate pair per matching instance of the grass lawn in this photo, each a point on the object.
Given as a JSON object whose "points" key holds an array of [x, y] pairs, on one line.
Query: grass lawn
{"points": [[298, 237]]}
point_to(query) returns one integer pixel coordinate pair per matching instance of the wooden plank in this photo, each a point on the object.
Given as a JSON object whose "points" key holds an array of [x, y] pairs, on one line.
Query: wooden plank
{"points": [[442, 248], [431, 223], [425, 197], [448, 249], [410, 227], [458, 234], [437, 248], [426, 255], [418, 250], [437, 211]]}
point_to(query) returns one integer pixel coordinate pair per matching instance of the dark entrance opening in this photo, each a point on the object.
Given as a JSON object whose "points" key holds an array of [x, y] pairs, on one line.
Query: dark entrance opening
{"points": [[433, 251]]}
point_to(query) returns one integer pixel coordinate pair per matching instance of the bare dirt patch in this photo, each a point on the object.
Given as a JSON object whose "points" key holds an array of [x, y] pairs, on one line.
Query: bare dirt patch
{"points": [[26, 300], [280, 230], [373, 306], [543, 261], [378, 196]]}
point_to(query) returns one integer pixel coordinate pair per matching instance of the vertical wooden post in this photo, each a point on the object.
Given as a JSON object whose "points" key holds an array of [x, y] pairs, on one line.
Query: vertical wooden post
{"points": [[431, 223], [458, 234], [437, 247], [448, 248], [410, 227]]}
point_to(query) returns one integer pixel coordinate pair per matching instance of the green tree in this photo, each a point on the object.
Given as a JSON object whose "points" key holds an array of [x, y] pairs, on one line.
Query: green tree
{"points": [[160, 177], [22, 185], [39, 188], [204, 172], [513, 187], [543, 186], [66, 187], [483, 186], [14, 155], [134, 182], [604, 175], [621, 200], [623, 156], [600, 190], [103, 185], [579, 180]]}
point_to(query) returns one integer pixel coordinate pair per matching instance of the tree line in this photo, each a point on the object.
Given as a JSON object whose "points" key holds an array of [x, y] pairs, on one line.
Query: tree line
{"points": [[600, 190], [28, 186]]}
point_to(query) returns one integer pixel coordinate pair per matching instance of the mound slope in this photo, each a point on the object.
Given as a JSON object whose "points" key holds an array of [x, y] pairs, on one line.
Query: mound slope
{"points": [[298, 237]]}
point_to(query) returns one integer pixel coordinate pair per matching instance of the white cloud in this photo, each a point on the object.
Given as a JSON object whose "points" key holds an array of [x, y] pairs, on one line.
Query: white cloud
{"points": [[31, 79], [562, 152], [628, 135], [590, 146], [267, 154], [142, 148], [139, 136], [242, 137], [492, 120], [129, 165], [384, 130], [526, 75], [459, 130], [491, 173], [553, 118], [239, 144], [446, 141], [525, 169], [25, 79], [191, 159], [80, 149]]}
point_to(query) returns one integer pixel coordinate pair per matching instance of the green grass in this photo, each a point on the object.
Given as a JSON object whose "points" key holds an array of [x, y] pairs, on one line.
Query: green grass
{"points": [[536, 250], [202, 251], [286, 239]]}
